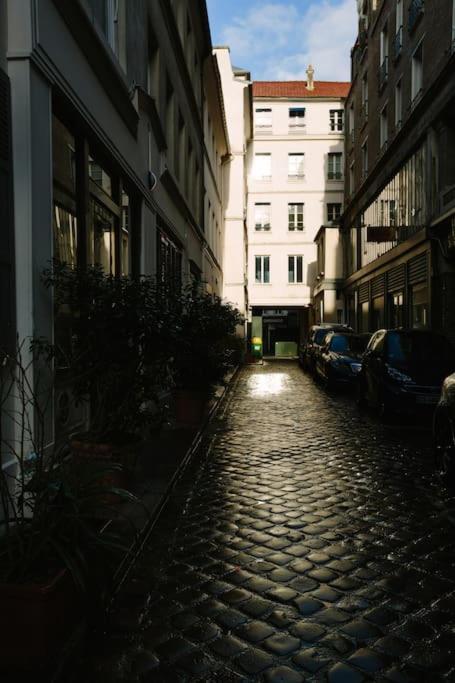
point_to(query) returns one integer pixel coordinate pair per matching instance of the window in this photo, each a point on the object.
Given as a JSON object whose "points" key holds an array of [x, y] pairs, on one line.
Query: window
{"points": [[365, 158], [262, 213], [351, 178], [383, 56], [365, 97], [169, 261], [417, 72], [262, 169], [398, 104], [396, 310], [398, 42], [295, 270], [262, 269], [296, 163], [153, 67], [296, 118], [336, 120], [263, 118], [419, 306], [333, 212], [399, 15], [170, 132], [295, 216], [351, 121], [384, 127], [335, 166]]}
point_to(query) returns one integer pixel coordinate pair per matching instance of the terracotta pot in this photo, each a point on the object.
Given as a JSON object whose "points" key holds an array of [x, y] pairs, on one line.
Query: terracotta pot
{"points": [[36, 620], [190, 407]]}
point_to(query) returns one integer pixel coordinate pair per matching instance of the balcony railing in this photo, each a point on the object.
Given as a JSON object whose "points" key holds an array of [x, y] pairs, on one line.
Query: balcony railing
{"points": [[416, 9], [378, 240], [383, 73], [398, 43]]}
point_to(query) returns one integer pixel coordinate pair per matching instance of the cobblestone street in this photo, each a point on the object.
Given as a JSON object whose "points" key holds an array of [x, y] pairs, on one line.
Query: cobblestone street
{"points": [[308, 542]]}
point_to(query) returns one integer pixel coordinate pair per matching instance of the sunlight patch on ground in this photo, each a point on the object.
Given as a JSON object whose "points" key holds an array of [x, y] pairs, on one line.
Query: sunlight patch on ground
{"points": [[268, 385]]}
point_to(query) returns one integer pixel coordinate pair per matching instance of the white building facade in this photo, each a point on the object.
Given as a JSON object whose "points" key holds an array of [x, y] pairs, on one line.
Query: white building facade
{"points": [[295, 185]]}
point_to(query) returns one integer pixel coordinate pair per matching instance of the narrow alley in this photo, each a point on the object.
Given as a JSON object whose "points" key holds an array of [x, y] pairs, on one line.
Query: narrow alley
{"points": [[306, 542]]}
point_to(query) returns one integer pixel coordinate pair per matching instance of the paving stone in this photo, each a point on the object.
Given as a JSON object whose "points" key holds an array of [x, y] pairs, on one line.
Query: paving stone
{"points": [[230, 618], [174, 648], [307, 631], [280, 619], [300, 566], [307, 605], [254, 661], [368, 660], [282, 644], [282, 594], [203, 632], [255, 631], [282, 674], [310, 660], [281, 575], [342, 673], [228, 646]]}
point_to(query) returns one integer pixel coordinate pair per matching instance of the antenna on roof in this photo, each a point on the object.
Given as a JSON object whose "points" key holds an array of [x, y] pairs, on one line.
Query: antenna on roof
{"points": [[310, 78]]}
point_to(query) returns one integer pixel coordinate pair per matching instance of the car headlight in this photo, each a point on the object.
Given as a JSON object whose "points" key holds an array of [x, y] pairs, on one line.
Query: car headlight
{"points": [[399, 376], [356, 368]]}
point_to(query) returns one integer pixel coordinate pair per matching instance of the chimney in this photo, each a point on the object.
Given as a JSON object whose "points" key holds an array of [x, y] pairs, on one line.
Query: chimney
{"points": [[310, 78]]}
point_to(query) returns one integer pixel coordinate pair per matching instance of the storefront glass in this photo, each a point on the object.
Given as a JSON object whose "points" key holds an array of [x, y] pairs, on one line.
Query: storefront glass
{"points": [[396, 310], [378, 313], [419, 306]]}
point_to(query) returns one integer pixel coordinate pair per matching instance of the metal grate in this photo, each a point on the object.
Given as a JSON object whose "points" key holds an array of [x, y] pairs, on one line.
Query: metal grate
{"points": [[396, 278], [364, 292], [418, 268], [378, 286]]}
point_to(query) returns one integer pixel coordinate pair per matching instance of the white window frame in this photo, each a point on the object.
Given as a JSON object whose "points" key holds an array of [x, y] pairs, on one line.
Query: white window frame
{"points": [[384, 126], [334, 218], [417, 73], [261, 280], [256, 168], [295, 258], [337, 120], [295, 223], [399, 16], [296, 165], [332, 172], [297, 123], [262, 216], [263, 123]]}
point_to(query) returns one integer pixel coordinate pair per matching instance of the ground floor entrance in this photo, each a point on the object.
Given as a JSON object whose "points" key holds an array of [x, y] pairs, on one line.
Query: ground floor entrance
{"points": [[280, 330]]}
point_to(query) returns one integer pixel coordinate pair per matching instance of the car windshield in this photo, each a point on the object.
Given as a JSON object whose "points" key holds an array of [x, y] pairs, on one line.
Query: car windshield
{"points": [[342, 343], [339, 343], [406, 348], [319, 337]]}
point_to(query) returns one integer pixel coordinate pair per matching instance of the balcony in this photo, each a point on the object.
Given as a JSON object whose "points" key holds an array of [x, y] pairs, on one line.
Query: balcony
{"points": [[416, 10], [383, 73], [398, 44]]}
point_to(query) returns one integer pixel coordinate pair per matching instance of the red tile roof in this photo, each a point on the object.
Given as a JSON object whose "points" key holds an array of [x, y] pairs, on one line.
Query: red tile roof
{"points": [[298, 89]]}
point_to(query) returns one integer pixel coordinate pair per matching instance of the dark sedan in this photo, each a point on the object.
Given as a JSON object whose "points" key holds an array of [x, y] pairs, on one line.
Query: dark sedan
{"points": [[403, 371], [444, 431], [340, 358], [316, 335]]}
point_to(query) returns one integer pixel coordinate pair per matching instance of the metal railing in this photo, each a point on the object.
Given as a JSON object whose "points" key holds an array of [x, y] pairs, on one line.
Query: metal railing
{"points": [[383, 73], [416, 9], [398, 43]]}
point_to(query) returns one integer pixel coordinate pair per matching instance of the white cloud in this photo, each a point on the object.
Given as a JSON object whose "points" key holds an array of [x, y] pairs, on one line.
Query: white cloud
{"points": [[278, 41]]}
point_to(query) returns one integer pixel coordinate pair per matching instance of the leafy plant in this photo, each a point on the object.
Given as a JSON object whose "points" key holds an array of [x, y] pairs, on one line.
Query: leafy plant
{"points": [[206, 344], [47, 502], [114, 344]]}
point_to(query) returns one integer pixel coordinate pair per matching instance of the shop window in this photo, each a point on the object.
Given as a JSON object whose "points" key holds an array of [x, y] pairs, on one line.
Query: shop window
{"points": [[396, 310], [64, 211], [100, 176], [378, 313], [419, 306], [365, 317], [125, 261]]}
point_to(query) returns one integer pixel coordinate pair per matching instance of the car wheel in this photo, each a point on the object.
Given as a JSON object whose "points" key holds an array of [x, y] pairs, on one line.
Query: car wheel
{"points": [[444, 448]]}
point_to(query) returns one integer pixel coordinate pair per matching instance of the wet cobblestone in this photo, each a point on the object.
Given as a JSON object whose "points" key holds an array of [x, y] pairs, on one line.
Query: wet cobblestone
{"points": [[308, 543]]}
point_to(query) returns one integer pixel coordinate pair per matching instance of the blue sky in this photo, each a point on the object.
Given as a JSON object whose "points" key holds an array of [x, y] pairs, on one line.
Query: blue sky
{"points": [[276, 39]]}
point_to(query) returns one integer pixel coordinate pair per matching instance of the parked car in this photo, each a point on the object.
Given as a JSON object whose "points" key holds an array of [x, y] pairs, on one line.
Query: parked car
{"points": [[314, 341], [403, 371], [339, 360], [444, 430]]}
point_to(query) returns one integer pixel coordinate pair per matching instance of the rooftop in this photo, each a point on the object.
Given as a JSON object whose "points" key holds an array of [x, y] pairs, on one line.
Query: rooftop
{"points": [[298, 89]]}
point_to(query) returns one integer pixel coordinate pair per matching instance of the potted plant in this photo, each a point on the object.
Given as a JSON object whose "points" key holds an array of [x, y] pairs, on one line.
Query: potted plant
{"points": [[206, 346], [53, 559], [115, 355]]}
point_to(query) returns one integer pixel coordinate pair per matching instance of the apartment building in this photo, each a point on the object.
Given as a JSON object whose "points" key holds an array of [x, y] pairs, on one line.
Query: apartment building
{"points": [[399, 222], [238, 103], [114, 149], [295, 185]]}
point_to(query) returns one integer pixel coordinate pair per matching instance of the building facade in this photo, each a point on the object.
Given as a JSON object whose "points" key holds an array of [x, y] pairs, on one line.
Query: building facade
{"points": [[237, 90], [328, 304], [295, 185], [399, 225], [117, 142]]}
